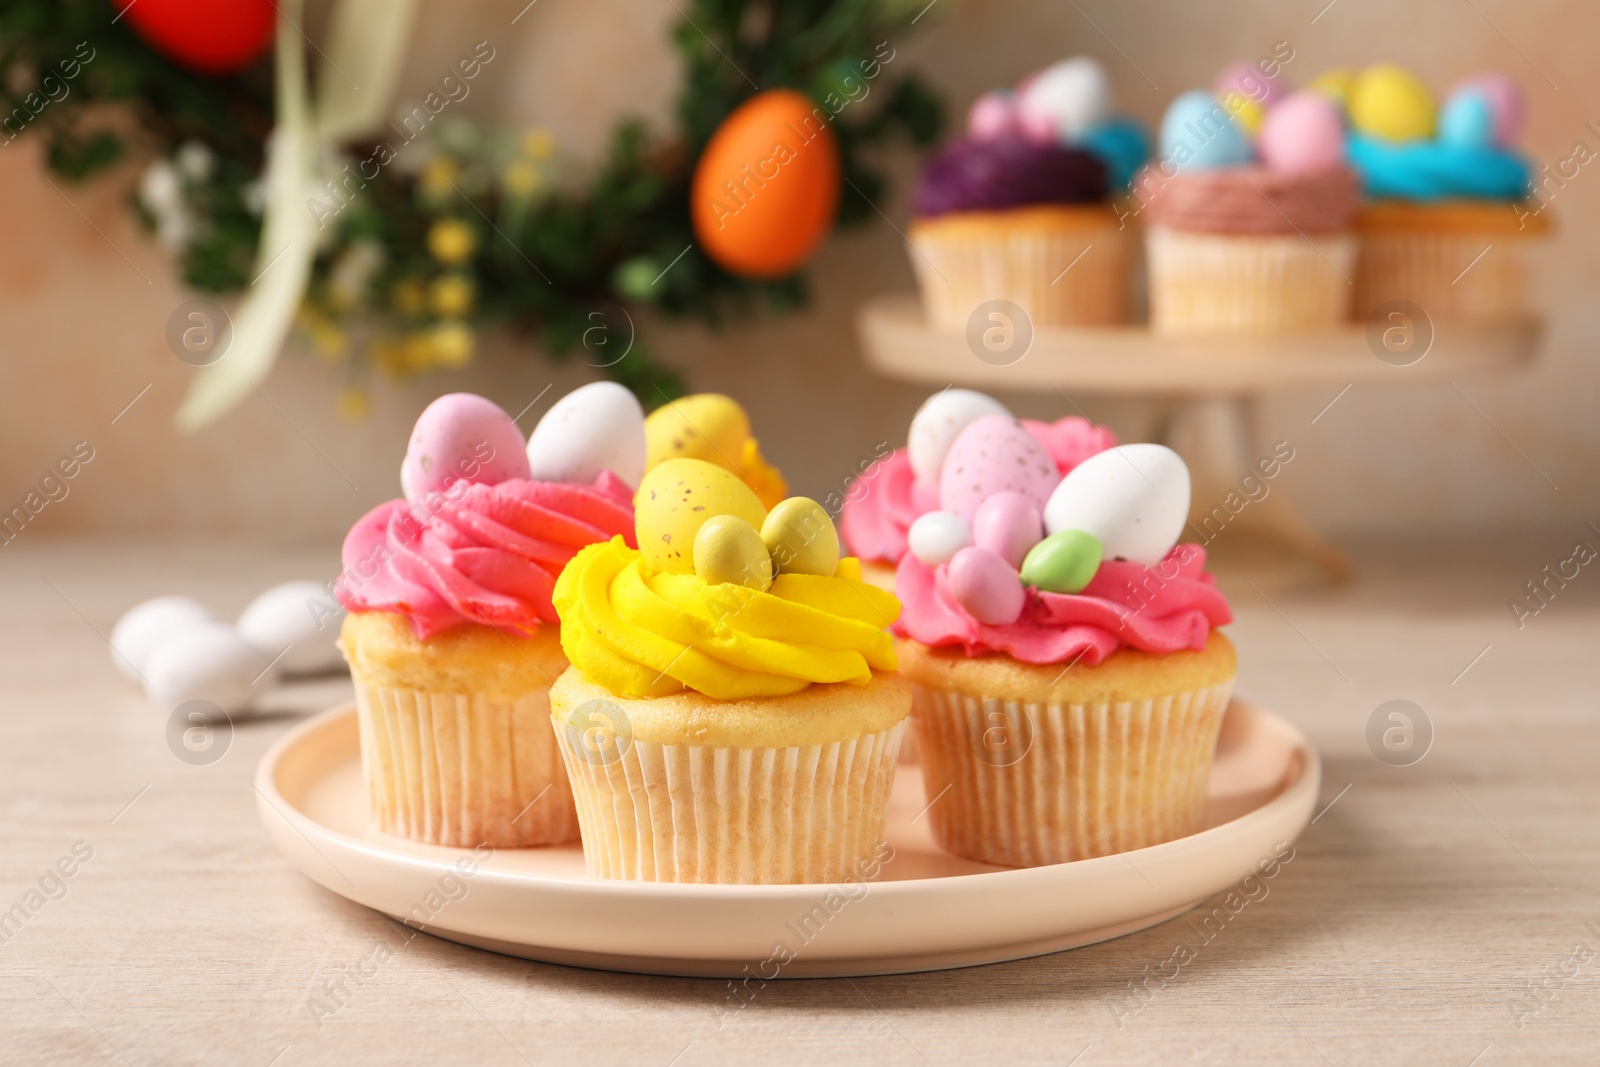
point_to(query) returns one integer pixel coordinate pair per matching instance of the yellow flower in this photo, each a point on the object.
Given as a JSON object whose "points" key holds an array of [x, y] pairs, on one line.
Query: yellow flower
{"points": [[437, 176], [451, 296], [538, 144], [451, 241], [410, 298], [521, 179], [388, 356], [417, 351], [453, 343], [329, 341], [353, 405]]}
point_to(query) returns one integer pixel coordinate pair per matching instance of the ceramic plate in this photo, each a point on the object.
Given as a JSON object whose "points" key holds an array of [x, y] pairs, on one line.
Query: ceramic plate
{"points": [[927, 910]]}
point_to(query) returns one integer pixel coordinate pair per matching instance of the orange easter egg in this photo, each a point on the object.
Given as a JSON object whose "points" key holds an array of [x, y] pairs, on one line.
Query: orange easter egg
{"points": [[766, 189]]}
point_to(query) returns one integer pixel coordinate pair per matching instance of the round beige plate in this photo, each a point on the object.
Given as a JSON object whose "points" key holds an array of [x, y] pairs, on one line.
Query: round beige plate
{"points": [[927, 910]]}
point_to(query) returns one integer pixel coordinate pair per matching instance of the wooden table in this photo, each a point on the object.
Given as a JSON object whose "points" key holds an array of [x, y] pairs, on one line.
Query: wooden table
{"points": [[1420, 909]]}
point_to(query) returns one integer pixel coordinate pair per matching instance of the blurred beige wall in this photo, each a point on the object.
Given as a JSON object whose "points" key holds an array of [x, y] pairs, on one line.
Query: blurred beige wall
{"points": [[85, 296]]}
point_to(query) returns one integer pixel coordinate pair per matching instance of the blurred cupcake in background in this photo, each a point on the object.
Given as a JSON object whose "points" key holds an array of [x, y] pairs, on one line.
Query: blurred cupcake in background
{"points": [[1249, 234], [1021, 208], [1450, 211], [881, 505]]}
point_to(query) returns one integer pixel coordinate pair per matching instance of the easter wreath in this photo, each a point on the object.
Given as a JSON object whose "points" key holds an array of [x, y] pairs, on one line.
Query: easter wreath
{"points": [[490, 230]]}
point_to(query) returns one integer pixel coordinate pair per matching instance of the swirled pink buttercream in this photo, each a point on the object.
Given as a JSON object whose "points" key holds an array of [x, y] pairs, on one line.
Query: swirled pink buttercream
{"points": [[1173, 605], [486, 554]]}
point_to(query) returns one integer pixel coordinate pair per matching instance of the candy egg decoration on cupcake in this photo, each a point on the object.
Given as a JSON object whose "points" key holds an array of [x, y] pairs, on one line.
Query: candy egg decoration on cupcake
{"points": [[1002, 212], [598, 427], [714, 428], [1442, 185], [1249, 236], [733, 662]]}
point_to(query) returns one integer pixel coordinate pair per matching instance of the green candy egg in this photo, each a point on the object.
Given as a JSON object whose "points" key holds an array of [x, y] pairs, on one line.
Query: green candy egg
{"points": [[801, 538], [728, 549], [1064, 562]]}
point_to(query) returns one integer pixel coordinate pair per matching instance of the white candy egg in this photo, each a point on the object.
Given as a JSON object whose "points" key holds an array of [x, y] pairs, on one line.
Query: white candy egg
{"points": [[1074, 95], [207, 662], [144, 627], [302, 617], [1134, 498], [935, 537], [595, 428], [939, 421]]}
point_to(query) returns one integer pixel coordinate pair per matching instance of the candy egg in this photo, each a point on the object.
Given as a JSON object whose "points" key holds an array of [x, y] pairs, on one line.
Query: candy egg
{"points": [[1197, 133], [1504, 98], [1302, 134], [1246, 112], [936, 536], [992, 116], [986, 586], [1134, 498], [1008, 524], [461, 437], [1466, 120], [675, 498], [146, 625], [1386, 101], [1069, 97], [300, 617], [801, 538], [727, 549], [207, 662], [599, 427], [990, 456], [1249, 82], [1064, 562], [706, 426], [1122, 145], [1334, 84], [937, 423]]}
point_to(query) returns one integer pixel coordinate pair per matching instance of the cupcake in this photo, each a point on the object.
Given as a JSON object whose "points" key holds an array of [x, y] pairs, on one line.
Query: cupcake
{"points": [[451, 634], [714, 428], [732, 712], [1450, 214], [1007, 212], [1068, 677], [1249, 239], [880, 506]]}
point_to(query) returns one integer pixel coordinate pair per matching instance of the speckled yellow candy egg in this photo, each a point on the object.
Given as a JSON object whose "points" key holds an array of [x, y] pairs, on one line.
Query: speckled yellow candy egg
{"points": [[801, 538], [1386, 101], [728, 549], [676, 498], [706, 426]]}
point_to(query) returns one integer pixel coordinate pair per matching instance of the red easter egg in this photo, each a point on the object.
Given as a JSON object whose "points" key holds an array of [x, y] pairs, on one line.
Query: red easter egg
{"points": [[206, 36], [766, 189]]}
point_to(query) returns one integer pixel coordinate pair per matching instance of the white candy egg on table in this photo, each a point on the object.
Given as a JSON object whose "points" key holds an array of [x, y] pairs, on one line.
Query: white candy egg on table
{"points": [[1072, 97], [597, 427], [302, 617], [208, 662], [937, 536], [1134, 498], [939, 422], [145, 625]]}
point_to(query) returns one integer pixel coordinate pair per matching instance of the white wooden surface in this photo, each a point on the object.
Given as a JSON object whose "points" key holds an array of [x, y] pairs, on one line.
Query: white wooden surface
{"points": [[1422, 902]]}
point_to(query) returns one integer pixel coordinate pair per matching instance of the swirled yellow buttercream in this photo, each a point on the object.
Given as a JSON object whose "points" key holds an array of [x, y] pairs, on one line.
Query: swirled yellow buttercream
{"points": [[647, 634]]}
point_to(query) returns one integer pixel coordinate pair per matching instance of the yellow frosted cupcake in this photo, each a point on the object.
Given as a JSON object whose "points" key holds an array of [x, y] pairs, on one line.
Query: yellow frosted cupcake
{"points": [[721, 723]]}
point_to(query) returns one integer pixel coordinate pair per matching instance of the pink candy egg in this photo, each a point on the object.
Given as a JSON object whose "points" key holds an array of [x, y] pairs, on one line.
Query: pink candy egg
{"points": [[986, 586], [1008, 524], [992, 116], [461, 437], [992, 455], [1247, 80], [1304, 133], [1504, 97]]}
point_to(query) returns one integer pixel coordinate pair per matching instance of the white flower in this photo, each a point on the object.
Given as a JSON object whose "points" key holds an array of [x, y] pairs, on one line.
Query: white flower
{"points": [[255, 197], [195, 161], [160, 191]]}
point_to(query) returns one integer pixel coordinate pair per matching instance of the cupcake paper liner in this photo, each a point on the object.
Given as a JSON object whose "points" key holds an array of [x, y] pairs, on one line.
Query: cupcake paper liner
{"points": [[1431, 269], [695, 813], [961, 267], [1245, 285], [1088, 779], [462, 770]]}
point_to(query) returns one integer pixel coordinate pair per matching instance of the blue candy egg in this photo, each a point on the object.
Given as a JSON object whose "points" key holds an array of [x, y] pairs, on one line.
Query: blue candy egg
{"points": [[1467, 119], [1122, 145], [1197, 133]]}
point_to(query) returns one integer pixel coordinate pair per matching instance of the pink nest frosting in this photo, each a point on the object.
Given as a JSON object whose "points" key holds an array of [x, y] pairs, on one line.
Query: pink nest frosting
{"points": [[486, 554], [884, 502], [1171, 606]]}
